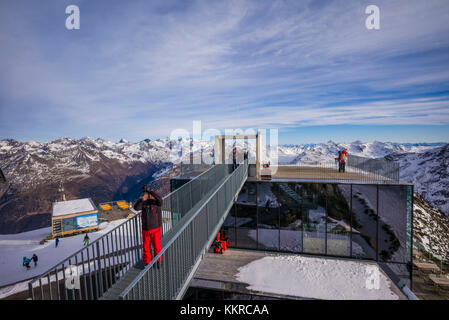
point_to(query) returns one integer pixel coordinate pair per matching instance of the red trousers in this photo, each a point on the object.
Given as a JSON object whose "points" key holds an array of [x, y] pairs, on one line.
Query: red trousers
{"points": [[151, 237]]}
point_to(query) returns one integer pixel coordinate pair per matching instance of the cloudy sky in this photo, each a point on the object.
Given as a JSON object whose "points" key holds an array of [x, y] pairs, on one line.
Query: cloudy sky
{"points": [[140, 69]]}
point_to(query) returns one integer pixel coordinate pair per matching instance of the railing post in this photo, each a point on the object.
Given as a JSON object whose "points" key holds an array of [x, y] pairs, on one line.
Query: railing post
{"points": [[30, 291], [191, 197], [136, 225], [100, 275]]}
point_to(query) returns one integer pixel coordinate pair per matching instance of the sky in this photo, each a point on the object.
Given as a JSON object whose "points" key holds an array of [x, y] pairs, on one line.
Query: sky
{"points": [[141, 69]]}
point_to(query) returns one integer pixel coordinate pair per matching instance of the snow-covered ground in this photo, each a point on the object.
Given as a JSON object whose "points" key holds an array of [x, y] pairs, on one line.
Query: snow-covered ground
{"points": [[13, 247], [319, 278]]}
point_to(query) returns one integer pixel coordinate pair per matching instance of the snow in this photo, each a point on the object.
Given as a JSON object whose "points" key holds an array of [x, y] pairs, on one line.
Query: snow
{"points": [[13, 247], [72, 206], [320, 278]]}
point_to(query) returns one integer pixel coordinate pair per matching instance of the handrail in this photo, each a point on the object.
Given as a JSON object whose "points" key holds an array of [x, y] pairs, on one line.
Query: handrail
{"points": [[172, 276], [128, 242]]}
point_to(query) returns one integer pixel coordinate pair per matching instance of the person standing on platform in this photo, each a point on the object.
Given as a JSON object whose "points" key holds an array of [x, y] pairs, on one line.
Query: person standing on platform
{"points": [[342, 158], [234, 157], [150, 203]]}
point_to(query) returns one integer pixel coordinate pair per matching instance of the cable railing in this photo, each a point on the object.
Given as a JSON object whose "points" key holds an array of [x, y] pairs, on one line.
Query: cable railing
{"points": [[94, 269], [187, 244]]}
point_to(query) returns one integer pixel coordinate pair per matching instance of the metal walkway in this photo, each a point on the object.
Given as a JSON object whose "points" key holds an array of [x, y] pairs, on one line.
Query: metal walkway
{"points": [[109, 268]]}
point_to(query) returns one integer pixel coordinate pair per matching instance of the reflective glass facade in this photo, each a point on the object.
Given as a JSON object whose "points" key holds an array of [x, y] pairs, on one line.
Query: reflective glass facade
{"points": [[359, 221]]}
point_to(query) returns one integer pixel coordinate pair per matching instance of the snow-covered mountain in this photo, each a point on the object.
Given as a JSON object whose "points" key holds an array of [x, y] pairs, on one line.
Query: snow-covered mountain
{"points": [[99, 169], [429, 172], [326, 152], [105, 170], [424, 165], [431, 228]]}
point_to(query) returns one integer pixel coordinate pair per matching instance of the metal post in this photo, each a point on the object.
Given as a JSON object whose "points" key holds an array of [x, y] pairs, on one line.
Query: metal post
{"points": [[137, 236], [100, 277], [377, 223], [350, 221], [84, 277], [49, 286], [411, 240], [90, 275], [30, 290]]}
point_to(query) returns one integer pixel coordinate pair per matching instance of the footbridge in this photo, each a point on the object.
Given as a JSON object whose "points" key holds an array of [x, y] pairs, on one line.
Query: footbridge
{"points": [[111, 268]]}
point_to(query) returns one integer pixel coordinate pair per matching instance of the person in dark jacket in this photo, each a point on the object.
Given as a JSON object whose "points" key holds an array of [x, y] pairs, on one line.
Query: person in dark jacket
{"points": [[56, 242], [34, 258], [26, 262], [234, 157], [150, 203]]}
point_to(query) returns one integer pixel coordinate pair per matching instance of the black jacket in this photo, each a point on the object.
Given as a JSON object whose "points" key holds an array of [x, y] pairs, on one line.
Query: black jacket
{"points": [[151, 211]]}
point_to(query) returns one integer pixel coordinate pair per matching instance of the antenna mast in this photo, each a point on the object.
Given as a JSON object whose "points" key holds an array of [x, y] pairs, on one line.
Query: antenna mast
{"points": [[61, 189]]}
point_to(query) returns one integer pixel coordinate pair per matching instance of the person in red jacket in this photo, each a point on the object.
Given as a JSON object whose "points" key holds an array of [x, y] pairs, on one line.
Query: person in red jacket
{"points": [[342, 157], [150, 203]]}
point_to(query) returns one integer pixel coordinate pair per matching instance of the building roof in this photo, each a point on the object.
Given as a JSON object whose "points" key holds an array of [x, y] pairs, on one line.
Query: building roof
{"points": [[63, 208]]}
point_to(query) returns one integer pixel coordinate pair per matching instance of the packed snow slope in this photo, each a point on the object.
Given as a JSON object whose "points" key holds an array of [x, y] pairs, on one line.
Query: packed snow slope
{"points": [[13, 247]]}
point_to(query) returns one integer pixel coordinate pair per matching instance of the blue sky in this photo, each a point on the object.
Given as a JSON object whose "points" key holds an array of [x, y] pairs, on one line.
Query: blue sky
{"points": [[140, 69]]}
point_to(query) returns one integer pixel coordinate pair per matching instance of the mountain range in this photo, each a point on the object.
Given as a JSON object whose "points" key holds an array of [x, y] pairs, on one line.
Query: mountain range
{"points": [[106, 171]]}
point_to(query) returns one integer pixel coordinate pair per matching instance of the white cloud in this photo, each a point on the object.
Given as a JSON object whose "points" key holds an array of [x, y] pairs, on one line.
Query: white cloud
{"points": [[228, 63]]}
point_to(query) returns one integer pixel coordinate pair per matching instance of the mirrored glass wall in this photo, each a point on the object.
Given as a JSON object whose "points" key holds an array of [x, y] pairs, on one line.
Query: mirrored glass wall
{"points": [[359, 221]]}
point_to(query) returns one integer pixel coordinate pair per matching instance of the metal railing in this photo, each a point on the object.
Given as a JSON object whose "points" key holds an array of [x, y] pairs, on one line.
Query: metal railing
{"points": [[94, 269], [356, 169], [188, 168], [379, 169], [187, 244], [99, 265]]}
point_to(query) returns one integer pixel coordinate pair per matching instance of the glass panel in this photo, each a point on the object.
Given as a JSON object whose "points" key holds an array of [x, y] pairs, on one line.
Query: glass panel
{"points": [[364, 221], [69, 224], [338, 220], [314, 217], [290, 216], [246, 217], [229, 226], [393, 226], [248, 194], [268, 221]]}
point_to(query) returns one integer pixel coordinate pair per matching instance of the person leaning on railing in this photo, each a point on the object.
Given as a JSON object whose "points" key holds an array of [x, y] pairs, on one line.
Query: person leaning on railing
{"points": [[150, 203]]}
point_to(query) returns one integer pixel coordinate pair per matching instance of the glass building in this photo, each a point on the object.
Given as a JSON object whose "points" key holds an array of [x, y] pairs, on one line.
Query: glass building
{"points": [[347, 220]]}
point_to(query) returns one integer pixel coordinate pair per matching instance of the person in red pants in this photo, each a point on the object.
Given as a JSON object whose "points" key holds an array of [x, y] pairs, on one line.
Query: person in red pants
{"points": [[150, 203]]}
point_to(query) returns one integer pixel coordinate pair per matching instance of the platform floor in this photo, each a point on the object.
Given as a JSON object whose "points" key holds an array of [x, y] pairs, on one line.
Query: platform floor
{"points": [[303, 173], [219, 272]]}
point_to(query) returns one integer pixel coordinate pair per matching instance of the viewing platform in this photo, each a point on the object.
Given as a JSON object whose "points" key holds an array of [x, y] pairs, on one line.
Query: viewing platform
{"points": [[221, 272], [293, 173]]}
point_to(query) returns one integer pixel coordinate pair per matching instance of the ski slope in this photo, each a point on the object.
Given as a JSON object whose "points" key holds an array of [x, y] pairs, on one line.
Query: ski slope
{"points": [[13, 247]]}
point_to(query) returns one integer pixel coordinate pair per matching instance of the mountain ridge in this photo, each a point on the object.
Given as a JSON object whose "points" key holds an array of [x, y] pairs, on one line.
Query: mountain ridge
{"points": [[106, 171]]}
